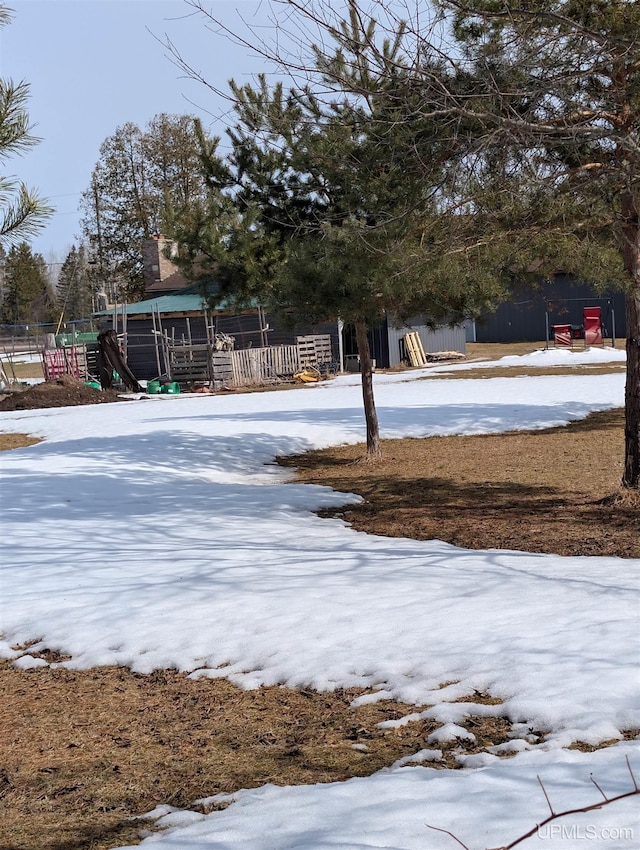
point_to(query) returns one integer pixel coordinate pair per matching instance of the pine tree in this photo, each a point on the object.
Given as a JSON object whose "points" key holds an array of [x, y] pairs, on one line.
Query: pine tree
{"points": [[28, 296], [542, 98], [22, 211], [556, 88], [74, 295], [336, 221]]}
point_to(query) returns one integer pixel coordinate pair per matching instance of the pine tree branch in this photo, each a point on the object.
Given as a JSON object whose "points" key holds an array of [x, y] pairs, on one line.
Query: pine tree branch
{"points": [[522, 13]]}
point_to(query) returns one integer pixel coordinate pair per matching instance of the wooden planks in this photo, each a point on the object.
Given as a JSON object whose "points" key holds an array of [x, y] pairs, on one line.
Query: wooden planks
{"points": [[415, 351], [222, 368], [314, 350], [190, 363]]}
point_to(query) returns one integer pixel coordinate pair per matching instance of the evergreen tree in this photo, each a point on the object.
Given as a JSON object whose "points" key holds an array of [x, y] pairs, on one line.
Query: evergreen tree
{"points": [[336, 221], [3, 259], [74, 295], [28, 296], [556, 89], [22, 211]]}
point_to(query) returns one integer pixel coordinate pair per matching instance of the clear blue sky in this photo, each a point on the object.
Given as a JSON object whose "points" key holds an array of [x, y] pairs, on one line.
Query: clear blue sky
{"points": [[94, 65]]}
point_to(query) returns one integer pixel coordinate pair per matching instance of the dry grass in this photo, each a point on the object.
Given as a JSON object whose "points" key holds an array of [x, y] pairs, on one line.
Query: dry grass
{"points": [[84, 751], [496, 350], [20, 370], [16, 441], [523, 371], [537, 491]]}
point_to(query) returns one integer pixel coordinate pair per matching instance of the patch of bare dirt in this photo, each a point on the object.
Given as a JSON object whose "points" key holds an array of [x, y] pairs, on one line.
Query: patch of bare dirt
{"points": [[554, 491], [63, 392]]}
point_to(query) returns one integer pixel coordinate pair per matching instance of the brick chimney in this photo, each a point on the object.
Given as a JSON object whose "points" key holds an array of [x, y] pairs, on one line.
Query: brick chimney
{"points": [[160, 274]]}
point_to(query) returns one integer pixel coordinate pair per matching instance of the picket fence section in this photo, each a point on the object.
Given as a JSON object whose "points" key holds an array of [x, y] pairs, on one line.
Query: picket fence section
{"points": [[252, 366]]}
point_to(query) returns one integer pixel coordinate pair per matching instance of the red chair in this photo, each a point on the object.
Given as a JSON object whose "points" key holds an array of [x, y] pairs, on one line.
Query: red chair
{"points": [[592, 326], [562, 335]]}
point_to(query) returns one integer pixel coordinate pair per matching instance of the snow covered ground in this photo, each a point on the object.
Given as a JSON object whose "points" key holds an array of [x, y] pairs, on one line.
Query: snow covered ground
{"points": [[159, 533], [546, 357]]}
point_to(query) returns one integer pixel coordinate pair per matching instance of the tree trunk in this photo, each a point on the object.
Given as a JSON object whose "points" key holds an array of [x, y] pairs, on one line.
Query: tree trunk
{"points": [[631, 475], [366, 368]]}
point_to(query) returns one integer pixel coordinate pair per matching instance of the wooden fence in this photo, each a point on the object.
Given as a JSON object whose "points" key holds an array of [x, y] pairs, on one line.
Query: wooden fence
{"points": [[271, 365], [195, 363], [254, 366]]}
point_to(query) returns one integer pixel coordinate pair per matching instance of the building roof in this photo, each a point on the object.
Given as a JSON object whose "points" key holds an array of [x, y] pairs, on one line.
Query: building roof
{"points": [[185, 301], [172, 283], [163, 304]]}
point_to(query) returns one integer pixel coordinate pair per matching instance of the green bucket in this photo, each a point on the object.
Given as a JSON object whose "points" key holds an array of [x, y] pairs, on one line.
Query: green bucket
{"points": [[93, 384], [153, 386], [172, 388]]}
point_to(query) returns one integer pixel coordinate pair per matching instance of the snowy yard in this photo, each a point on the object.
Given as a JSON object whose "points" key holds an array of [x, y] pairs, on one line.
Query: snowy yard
{"points": [[160, 534]]}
